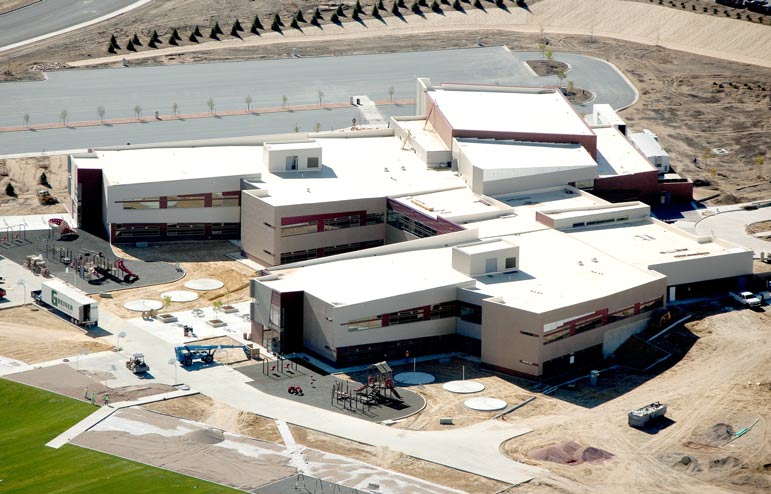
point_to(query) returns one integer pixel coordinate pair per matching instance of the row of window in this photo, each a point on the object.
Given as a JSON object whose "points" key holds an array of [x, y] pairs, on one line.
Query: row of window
{"points": [[330, 224], [409, 225], [416, 314], [127, 231], [304, 255], [216, 199], [564, 329]]}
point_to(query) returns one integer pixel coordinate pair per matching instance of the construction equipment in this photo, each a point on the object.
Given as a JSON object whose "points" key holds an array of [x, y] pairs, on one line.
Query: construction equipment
{"points": [[136, 364], [45, 197], [187, 354]]}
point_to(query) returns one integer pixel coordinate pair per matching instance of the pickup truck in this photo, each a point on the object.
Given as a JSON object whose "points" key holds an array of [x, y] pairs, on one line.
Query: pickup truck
{"points": [[746, 298]]}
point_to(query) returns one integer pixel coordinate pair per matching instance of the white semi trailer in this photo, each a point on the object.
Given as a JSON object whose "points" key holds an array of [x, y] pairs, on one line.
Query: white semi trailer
{"points": [[81, 310]]}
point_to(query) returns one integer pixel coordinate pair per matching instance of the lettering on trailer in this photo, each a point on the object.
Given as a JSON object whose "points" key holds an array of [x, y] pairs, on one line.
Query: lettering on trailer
{"points": [[57, 301]]}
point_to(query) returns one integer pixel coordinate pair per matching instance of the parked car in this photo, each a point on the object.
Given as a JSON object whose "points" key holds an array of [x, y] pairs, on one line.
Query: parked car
{"points": [[747, 299]]}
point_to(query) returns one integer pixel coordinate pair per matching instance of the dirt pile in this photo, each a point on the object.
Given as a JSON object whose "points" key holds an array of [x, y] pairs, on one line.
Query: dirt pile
{"points": [[724, 463], [687, 464], [569, 453], [205, 436], [718, 434]]}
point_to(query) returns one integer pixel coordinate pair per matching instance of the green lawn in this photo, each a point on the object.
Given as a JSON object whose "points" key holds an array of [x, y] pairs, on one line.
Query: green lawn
{"points": [[29, 418]]}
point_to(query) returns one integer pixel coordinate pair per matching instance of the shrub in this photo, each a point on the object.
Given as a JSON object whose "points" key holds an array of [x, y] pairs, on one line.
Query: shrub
{"points": [[9, 190]]}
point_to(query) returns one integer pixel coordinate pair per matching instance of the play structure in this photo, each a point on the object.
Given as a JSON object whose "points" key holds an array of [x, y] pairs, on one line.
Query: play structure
{"points": [[38, 265], [128, 276], [377, 389], [136, 364], [65, 230], [13, 235], [187, 354], [92, 265], [280, 368]]}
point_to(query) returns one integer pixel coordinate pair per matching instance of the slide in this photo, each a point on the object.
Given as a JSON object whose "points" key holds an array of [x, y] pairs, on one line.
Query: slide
{"points": [[390, 385], [362, 388], [130, 277]]}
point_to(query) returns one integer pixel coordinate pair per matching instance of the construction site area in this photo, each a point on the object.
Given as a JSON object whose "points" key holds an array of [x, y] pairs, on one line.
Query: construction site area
{"points": [[146, 364]]}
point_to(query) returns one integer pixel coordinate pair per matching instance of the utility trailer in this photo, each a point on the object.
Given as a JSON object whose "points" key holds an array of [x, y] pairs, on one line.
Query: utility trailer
{"points": [[187, 354], [68, 301], [641, 417]]}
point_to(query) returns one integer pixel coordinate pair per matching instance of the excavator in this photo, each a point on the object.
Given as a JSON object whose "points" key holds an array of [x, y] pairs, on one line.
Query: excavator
{"points": [[46, 198]]}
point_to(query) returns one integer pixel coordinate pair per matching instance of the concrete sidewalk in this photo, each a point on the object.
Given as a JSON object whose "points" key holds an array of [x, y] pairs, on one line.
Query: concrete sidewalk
{"points": [[108, 410]]}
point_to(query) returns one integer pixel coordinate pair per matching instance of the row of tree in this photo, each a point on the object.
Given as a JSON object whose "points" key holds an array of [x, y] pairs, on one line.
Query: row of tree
{"points": [[277, 24]]}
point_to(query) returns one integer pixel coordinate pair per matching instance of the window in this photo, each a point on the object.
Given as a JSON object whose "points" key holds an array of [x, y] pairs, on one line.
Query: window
{"points": [[365, 323], [405, 316], [511, 263], [185, 229], [224, 199], [299, 228], [186, 201], [470, 312], [313, 162], [226, 229], [133, 231], [340, 249], [409, 225], [374, 218], [298, 255], [443, 310], [143, 203], [340, 222]]}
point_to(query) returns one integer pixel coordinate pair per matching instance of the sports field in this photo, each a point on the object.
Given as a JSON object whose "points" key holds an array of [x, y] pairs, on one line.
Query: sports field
{"points": [[31, 417]]}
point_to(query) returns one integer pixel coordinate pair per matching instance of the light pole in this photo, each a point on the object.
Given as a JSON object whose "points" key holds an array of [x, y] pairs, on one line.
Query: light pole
{"points": [[173, 361], [122, 334], [22, 284]]}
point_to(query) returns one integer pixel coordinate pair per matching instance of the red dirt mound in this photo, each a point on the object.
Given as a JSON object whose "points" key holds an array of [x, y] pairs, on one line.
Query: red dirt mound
{"points": [[569, 453]]}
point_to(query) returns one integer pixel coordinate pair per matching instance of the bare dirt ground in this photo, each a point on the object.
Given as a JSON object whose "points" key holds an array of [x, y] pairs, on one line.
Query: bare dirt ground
{"points": [[8, 5], [724, 379], [398, 462], [198, 263], [441, 403], [33, 335], [25, 174], [201, 408]]}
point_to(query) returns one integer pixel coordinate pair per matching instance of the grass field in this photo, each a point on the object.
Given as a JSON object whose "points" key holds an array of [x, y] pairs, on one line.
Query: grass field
{"points": [[29, 418]]}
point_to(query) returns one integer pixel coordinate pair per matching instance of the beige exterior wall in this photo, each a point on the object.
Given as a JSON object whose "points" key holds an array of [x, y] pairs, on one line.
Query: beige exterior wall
{"points": [[696, 269], [258, 229], [505, 347]]}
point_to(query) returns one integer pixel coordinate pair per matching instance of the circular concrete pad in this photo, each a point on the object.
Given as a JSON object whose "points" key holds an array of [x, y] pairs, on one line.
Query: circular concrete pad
{"points": [[463, 387], [143, 305], [484, 404], [414, 378], [204, 284], [180, 296]]}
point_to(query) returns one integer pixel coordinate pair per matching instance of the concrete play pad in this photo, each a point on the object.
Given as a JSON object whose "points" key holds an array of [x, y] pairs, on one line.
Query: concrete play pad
{"points": [[204, 284], [484, 404], [463, 387], [143, 305], [180, 296], [414, 378]]}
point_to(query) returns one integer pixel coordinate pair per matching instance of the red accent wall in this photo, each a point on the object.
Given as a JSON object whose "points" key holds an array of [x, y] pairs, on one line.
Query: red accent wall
{"points": [[440, 225]]}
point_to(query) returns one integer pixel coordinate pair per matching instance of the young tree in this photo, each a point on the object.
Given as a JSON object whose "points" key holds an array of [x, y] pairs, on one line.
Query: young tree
{"points": [[173, 40], [248, 101], [130, 46], [276, 24], [478, 5], [571, 88], [192, 38], [9, 190], [217, 28], [152, 44], [135, 40], [395, 9], [257, 23], [334, 19], [213, 35], [114, 42], [317, 127], [339, 11], [284, 99], [174, 109], [175, 35], [435, 6], [197, 31], [299, 16], [294, 24], [155, 37], [375, 12], [456, 4], [549, 57], [380, 5], [138, 111], [237, 26], [26, 120], [43, 180], [391, 92], [211, 105], [234, 32], [415, 7], [63, 116], [100, 111], [561, 75]]}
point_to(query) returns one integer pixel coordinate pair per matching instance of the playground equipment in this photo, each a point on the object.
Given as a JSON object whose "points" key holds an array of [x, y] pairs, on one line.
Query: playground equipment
{"points": [[187, 354], [13, 235], [38, 265], [65, 230], [90, 264], [46, 198], [377, 389], [281, 367], [136, 364], [129, 276]]}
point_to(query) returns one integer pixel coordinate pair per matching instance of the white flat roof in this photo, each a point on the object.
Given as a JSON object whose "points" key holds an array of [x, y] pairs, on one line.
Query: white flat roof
{"points": [[527, 157], [451, 203], [558, 271], [485, 247], [423, 132], [617, 156], [632, 207], [292, 145], [137, 166], [510, 110], [396, 274], [356, 167], [649, 242]]}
